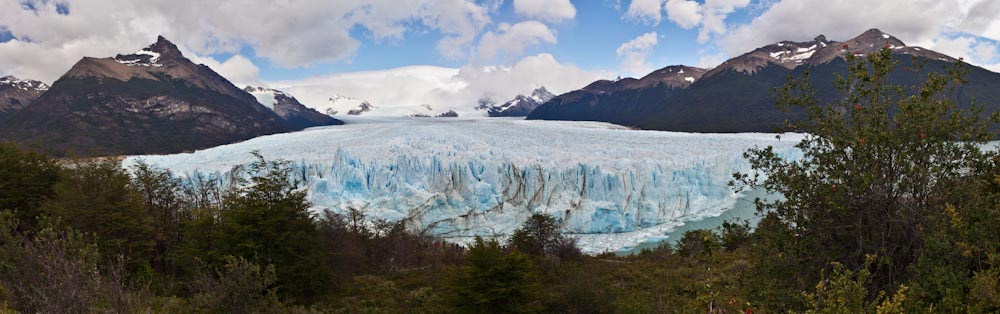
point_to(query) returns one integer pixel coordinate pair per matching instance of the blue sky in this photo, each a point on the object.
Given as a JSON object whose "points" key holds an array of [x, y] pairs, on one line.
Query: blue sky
{"points": [[589, 40], [466, 49]]}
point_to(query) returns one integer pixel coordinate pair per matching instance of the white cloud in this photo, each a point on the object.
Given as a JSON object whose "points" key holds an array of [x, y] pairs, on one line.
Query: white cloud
{"points": [[709, 17], [288, 33], [524, 76], [237, 69], [714, 13], [686, 14], [711, 60], [512, 40], [985, 51], [974, 51], [549, 10], [959, 47], [927, 23], [645, 11], [634, 54], [917, 22], [401, 91]]}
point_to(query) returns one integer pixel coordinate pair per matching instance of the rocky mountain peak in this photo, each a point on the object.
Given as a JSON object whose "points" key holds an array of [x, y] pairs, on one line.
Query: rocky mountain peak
{"points": [[294, 113], [25, 85], [16, 93], [541, 94], [154, 55], [872, 40]]}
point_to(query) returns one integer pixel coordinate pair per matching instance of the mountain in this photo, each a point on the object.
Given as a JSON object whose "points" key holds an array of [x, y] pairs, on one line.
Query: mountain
{"points": [[521, 105], [340, 104], [294, 114], [15, 93], [151, 101], [737, 96], [446, 114], [620, 101]]}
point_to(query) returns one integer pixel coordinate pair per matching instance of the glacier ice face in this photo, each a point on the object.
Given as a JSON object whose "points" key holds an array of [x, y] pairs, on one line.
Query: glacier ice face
{"points": [[457, 178]]}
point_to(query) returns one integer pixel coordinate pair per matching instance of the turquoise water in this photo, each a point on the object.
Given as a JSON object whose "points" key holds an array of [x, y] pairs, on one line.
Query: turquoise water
{"points": [[744, 208]]}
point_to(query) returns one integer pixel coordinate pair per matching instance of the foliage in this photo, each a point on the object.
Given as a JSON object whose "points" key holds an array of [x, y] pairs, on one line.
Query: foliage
{"points": [[59, 270], [238, 287], [494, 281], [541, 235], [267, 222], [27, 179], [161, 195], [95, 196], [873, 163]]}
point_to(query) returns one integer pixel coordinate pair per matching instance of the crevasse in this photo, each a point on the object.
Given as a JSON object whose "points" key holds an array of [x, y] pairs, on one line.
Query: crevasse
{"points": [[455, 179]]}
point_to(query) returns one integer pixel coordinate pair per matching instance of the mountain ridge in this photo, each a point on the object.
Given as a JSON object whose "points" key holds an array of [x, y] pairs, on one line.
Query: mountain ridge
{"points": [[736, 95], [15, 93], [151, 101]]}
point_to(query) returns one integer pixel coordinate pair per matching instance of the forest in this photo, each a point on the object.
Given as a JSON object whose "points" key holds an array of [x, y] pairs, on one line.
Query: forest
{"points": [[895, 208]]}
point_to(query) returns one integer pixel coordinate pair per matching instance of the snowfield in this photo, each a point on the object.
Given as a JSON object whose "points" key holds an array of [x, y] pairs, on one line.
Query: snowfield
{"points": [[614, 188]]}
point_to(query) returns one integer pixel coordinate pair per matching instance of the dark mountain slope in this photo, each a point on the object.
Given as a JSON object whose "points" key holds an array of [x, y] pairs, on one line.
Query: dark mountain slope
{"points": [[149, 102], [15, 94], [294, 114], [737, 96]]}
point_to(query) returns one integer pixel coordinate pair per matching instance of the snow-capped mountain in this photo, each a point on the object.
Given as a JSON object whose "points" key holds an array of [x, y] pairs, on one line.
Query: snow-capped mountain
{"points": [[295, 114], [344, 105], [447, 114], [152, 101], [737, 96], [16, 93], [521, 105]]}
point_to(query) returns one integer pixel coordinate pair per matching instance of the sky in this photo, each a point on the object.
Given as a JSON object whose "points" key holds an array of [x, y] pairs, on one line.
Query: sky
{"points": [[454, 52]]}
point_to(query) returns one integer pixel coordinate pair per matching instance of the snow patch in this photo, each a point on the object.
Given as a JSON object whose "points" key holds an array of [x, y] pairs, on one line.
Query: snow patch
{"points": [[137, 58], [264, 96], [25, 85]]}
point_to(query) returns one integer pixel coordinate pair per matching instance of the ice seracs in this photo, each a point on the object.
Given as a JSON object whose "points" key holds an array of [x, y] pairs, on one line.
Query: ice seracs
{"points": [[611, 187]]}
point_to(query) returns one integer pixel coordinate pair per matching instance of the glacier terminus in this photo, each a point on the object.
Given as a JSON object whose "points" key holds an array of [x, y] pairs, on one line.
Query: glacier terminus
{"points": [[612, 187]]}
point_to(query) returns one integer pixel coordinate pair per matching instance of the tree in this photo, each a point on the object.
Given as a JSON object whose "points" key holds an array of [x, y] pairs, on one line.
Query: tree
{"points": [[540, 235], [160, 192], [697, 243], [267, 222], [958, 267], [496, 282], [96, 197], [873, 163], [238, 286], [59, 270], [27, 179]]}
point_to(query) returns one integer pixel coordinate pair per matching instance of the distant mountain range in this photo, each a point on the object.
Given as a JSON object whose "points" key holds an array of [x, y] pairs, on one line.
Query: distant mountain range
{"points": [[15, 93], [521, 105], [344, 105], [148, 102], [737, 96], [295, 114]]}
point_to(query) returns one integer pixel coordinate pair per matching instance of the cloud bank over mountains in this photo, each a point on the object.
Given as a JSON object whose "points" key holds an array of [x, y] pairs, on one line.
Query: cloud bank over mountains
{"points": [[476, 39]]}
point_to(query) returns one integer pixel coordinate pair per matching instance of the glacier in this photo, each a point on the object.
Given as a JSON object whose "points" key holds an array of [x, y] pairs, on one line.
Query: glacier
{"points": [[612, 187]]}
